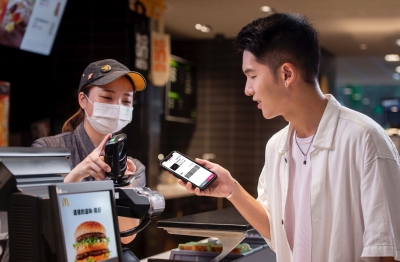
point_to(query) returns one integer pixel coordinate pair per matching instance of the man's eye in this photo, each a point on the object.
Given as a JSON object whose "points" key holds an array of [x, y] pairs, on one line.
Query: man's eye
{"points": [[128, 102], [106, 97], [252, 77]]}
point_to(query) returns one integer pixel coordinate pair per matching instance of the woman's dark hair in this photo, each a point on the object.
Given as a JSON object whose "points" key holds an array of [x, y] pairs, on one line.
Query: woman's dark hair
{"points": [[280, 38], [79, 116]]}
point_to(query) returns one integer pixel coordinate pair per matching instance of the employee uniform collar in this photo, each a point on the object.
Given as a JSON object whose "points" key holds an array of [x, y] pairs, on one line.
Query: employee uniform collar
{"points": [[326, 128]]}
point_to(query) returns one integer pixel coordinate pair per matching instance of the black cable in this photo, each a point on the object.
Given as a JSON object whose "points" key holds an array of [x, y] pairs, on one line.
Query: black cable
{"points": [[137, 229]]}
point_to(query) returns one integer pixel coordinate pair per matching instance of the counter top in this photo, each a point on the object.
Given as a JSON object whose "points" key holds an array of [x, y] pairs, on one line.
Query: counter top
{"points": [[164, 255], [228, 219]]}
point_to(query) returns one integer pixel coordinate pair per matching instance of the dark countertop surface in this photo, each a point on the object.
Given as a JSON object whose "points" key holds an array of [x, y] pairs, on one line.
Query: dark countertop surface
{"points": [[228, 219]]}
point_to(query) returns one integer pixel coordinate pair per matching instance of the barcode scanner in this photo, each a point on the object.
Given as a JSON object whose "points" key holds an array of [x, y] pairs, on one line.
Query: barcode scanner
{"points": [[115, 155]]}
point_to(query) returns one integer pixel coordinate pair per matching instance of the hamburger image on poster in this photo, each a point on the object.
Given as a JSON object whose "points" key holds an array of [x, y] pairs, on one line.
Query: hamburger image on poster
{"points": [[94, 207]]}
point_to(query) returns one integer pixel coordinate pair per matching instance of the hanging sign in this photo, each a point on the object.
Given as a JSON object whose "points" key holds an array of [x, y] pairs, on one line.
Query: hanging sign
{"points": [[160, 56], [154, 8], [140, 36]]}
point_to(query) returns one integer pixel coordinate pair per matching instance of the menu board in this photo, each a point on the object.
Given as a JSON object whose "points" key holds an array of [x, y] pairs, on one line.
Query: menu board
{"points": [[30, 25], [87, 223], [180, 93]]}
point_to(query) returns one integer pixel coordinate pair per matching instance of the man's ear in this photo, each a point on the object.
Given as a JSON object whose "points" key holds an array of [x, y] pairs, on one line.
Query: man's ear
{"points": [[288, 73], [82, 100]]}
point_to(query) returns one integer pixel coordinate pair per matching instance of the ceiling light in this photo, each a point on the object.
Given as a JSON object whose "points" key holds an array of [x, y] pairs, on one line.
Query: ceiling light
{"points": [[398, 69], [394, 109], [203, 28], [356, 97], [365, 101], [363, 46], [347, 91], [265, 9], [396, 76], [398, 42], [392, 58]]}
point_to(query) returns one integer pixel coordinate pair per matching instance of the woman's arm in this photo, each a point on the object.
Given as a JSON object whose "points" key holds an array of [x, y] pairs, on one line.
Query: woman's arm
{"points": [[137, 170], [93, 165], [126, 223]]}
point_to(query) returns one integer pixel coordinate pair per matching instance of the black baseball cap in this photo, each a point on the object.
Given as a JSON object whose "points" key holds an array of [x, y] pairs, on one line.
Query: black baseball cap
{"points": [[105, 71]]}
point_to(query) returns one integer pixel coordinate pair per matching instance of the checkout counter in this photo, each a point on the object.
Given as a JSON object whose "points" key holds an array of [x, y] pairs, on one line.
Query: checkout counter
{"points": [[227, 227], [49, 220]]}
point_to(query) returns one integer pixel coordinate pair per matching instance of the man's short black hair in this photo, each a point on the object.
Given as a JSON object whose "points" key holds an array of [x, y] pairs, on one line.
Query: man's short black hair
{"points": [[280, 38]]}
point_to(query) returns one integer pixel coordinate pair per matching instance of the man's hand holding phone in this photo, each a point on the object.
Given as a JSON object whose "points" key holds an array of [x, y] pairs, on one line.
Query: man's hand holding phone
{"points": [[188, 170], [221, 187]]}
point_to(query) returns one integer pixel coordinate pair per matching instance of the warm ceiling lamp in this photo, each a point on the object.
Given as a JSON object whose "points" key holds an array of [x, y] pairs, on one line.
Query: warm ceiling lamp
{"points": [[265, 9], [392, 57], [203, 28], [398, 69], [398, 42]]}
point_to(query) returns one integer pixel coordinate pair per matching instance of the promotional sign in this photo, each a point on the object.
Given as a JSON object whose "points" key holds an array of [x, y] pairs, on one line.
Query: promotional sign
{"points": [[88, 226], [160, 55], [30, 25], [4, 112], [140, 25]]}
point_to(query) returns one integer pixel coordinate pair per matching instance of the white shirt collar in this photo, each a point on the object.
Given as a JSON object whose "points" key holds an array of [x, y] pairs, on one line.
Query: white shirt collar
{"points": [[326, 128]]}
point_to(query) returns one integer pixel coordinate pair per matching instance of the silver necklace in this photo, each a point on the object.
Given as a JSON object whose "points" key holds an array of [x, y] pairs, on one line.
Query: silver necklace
{"points": [[305, 155]]}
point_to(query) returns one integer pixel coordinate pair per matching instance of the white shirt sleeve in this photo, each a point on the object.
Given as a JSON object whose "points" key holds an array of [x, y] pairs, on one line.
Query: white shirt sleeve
{"points": [[380, 195], [263, 199]]}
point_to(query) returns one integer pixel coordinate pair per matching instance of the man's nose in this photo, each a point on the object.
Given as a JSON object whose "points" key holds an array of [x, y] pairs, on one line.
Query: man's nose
{"points": [[248, 90]]}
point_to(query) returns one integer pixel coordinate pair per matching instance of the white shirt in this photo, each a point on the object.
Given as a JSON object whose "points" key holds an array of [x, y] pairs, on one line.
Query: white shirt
{"points": [[297, 210], [355, 189]]}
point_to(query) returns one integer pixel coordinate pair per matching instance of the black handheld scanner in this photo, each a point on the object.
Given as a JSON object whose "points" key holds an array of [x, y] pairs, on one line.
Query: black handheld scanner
{"points": [[115, 155]]}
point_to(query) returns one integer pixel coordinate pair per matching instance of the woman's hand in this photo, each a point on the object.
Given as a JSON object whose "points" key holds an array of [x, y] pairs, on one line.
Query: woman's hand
{"points": [[93, 165], [130, 167], [220, 187]]}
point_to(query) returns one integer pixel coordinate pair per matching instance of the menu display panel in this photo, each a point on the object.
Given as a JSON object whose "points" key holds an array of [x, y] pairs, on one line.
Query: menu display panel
{"points": [[88, 223], [180, 91], [30, 25]]}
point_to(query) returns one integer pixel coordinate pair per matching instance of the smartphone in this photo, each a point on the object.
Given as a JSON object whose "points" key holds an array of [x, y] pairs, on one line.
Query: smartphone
{"points": [[187, 170]]}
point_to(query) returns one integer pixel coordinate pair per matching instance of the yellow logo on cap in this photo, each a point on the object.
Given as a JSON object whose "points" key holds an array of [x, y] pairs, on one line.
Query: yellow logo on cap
{"points": [[65, 202], [105, 68]]}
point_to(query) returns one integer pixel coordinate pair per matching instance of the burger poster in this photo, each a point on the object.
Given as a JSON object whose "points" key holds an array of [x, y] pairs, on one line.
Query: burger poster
{"points": [[88, 226]]}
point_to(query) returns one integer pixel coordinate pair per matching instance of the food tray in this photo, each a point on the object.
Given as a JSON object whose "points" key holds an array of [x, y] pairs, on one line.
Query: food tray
{"points": [[201, 256]]}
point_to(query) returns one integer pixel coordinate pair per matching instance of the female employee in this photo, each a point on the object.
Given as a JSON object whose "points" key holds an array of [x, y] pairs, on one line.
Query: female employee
{"points": [[105, 95]]}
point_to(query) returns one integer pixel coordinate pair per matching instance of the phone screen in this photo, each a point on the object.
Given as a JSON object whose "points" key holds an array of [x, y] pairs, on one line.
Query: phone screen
{"points": [[188, 170]]}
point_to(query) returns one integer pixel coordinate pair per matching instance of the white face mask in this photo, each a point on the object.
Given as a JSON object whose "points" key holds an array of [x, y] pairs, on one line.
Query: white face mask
{"points": [[107, 118]]}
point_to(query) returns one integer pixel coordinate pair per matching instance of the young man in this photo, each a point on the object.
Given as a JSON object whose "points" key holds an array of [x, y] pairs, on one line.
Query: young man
{"points": [[330, 184]]}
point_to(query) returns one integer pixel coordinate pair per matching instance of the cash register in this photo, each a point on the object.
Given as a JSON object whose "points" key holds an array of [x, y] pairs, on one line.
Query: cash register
{"points": [[49, 220]]}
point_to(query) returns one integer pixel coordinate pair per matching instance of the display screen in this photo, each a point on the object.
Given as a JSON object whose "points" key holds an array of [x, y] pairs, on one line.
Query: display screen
{"points": [[180, 100], [30, 25], [188, 169], [88, 226]]}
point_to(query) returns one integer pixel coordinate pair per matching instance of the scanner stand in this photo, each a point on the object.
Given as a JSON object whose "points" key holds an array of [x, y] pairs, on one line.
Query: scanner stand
{"points": [[128, 256], [228, 225], [228, 239]]}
